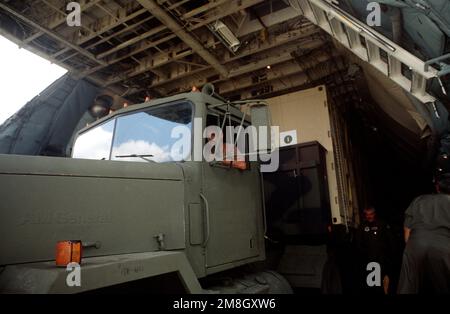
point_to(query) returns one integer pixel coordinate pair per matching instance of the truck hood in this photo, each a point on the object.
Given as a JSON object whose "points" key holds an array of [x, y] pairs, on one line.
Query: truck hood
{"points": [[122, 205]]}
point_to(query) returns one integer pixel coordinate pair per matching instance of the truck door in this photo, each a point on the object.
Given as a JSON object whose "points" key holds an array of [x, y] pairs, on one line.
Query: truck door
{"points": [[235, 214]]}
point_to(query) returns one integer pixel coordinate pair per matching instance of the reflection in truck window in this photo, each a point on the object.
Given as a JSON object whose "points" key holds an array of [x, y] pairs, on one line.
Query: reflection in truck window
{"points": [[149, 132], [95, 143]]}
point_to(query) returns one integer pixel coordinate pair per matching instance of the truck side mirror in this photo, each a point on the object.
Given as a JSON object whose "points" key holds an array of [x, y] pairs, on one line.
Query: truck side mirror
{"points": [[260, 115]]}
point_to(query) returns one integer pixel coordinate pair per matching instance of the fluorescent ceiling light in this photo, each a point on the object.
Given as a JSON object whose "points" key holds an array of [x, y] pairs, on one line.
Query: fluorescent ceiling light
{"points": [[225, 35]]}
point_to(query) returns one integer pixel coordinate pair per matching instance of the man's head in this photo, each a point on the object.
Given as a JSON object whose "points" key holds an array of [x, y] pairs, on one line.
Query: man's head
{"points": [[369, 214], [443, 183]]}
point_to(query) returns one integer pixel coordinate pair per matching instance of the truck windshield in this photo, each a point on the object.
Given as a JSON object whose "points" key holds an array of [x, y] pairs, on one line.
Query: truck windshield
{"points": [[156, 133], [150, 133]]}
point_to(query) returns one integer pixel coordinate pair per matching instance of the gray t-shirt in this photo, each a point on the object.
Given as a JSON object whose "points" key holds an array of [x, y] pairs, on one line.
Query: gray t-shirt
{"points": [[429, 213]]}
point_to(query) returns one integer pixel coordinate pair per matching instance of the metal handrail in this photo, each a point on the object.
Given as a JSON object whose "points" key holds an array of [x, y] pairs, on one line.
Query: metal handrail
{"points": [[208, 227]]}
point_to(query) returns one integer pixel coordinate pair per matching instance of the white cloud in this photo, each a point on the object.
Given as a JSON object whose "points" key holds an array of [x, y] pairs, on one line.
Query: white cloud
{"points": [[23, 75]]}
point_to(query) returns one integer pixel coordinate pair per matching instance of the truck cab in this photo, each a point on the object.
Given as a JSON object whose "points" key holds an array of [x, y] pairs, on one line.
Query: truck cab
{"points": [[133, 186]]}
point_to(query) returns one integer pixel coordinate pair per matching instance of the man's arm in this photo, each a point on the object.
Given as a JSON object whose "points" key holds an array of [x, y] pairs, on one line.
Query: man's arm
{"points": [[409, 219], [386, 284], [406, 232]]}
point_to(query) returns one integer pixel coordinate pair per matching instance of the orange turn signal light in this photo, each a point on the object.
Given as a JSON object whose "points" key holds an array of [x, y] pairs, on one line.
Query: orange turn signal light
{"points": [[68, 252]]}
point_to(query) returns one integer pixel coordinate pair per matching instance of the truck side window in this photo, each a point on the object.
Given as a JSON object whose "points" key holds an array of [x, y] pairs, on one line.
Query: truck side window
{"points": [[149, 133], [213, 119], [95, 143]]}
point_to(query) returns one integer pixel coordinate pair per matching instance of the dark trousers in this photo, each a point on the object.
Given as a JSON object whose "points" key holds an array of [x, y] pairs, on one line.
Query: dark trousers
{"points": [[426, 264]]}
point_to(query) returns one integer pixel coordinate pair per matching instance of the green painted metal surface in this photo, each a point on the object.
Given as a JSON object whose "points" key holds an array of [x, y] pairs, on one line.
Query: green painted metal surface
{"points": [[124, 205]]}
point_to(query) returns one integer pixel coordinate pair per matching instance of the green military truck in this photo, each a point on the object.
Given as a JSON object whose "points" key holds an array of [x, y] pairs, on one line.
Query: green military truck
{"points": [[147, 221]]}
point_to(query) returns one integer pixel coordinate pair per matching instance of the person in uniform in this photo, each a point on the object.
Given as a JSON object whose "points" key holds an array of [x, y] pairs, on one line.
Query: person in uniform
{"points": [[374, 244], [426, 258]]}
